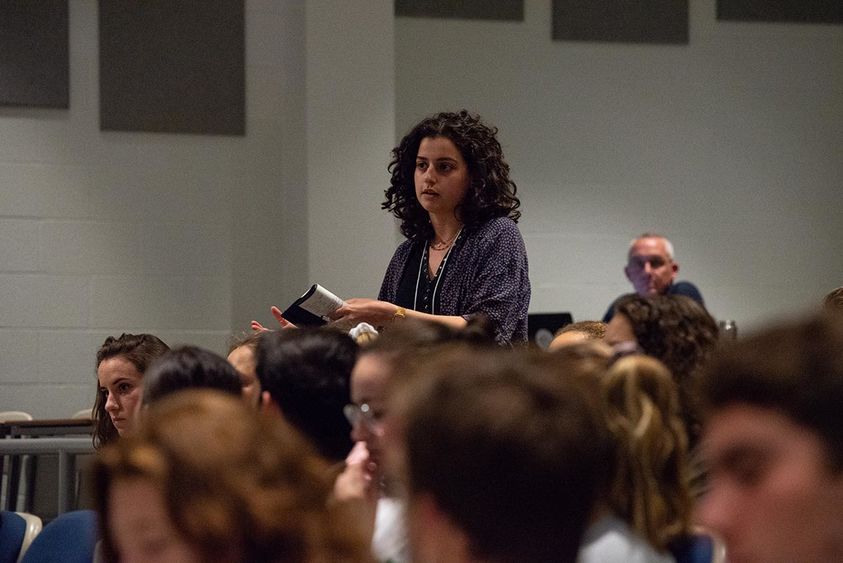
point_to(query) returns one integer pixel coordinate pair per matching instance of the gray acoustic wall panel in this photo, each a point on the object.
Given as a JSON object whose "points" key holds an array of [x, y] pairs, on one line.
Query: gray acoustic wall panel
{"points": [[172, 66], [796, 11], [628, 21], [33, 53], [462, 9]]}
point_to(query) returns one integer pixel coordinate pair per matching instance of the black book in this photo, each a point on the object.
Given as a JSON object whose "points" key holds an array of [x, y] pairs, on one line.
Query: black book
{"points": [[313, 308]]}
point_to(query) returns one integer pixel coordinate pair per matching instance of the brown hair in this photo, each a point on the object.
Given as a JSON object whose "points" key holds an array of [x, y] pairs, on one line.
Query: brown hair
{"points": [[651, 488], [237, 485], [594, 330], [138, 349], [678, 331], [524, 447], [794, 368]]}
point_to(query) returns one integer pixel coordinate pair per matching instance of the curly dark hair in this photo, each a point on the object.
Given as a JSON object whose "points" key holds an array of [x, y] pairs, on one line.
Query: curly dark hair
{"points": [[491, 194], [678, 331]]}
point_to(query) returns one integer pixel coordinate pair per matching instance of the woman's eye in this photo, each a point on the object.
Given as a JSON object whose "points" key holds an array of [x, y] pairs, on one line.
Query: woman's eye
{"points": [[446, 167], [125, 387], [421, 165]]}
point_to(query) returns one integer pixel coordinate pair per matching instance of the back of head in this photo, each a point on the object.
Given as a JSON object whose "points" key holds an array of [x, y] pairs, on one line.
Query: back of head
{"points": [[680, 333], [189, 367], [139, 349], [307, 374], [650, 489], [509, 448], [794, 368], [237, 485]]}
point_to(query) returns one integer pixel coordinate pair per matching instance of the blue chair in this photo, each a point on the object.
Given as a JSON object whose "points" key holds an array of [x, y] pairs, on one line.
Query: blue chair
{"points": [[700, 546], [17, 530], [70, 538]]}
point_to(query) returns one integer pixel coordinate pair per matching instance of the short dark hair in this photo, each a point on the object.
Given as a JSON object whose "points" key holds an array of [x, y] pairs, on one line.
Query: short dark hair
{"points": [[491, 194], [307, 373], [524, 445], [139, 350], [594, 330], [189, 367], [794, 368]]}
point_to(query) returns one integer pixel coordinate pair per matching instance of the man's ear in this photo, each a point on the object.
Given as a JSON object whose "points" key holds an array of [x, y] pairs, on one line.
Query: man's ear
{"points": [[626, 271]]}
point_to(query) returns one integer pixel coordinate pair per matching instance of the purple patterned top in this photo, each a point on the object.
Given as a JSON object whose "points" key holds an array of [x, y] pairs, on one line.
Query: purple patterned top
{"points": [[486, 274]]}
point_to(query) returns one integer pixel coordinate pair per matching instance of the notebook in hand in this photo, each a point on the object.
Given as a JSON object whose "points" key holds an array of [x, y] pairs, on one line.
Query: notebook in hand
{"points": [[313, 308]]}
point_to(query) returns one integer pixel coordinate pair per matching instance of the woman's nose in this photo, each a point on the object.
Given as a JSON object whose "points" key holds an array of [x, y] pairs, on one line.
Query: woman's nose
{"points": [[111, 403]]}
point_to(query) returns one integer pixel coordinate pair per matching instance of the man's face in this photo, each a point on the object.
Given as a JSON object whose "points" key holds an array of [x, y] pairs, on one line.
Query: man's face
{"points": [[772, 494], [649, 267]]}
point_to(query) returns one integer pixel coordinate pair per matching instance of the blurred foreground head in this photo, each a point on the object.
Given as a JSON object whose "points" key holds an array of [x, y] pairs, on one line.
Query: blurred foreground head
{"points": [[503, 454], [206, 478], [773, 440]]}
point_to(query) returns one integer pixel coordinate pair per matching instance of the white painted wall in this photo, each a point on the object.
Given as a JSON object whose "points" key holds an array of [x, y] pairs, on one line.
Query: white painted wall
{"points": [[184, 236], [732, 146], [350, 132]]}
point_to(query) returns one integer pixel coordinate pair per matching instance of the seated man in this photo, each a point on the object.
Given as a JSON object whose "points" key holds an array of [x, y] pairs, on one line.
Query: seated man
{"points": [[503, 454], [774, 444], [652, 270]]}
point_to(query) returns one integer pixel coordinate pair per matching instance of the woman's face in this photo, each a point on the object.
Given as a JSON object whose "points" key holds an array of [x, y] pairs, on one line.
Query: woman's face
{"points": [[243, 360], [121, 383], [441, 178], [368, 387], [141, 529]]}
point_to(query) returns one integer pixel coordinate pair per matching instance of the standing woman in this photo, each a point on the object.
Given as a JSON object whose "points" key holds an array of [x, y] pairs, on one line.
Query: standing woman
{"points": [[464, 255], [121, 363]]}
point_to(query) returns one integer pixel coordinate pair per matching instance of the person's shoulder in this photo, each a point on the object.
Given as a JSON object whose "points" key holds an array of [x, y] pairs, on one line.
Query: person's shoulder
{"points": [[687, 289], [498, 229]]}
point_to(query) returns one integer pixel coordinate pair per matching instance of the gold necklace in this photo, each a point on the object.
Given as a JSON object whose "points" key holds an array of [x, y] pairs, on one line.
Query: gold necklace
{"points": [[444, 245]]}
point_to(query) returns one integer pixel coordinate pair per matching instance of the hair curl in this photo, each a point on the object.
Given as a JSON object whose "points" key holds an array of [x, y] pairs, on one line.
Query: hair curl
{"points": [[491, 194]]}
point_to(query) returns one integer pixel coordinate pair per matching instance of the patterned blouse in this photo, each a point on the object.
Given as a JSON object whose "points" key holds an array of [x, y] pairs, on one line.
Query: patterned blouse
{"points": [[486, 273]]}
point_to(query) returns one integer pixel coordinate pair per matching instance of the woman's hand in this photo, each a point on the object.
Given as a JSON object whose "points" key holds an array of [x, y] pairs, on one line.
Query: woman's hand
{"points": [[276, 312], [359, 310]]}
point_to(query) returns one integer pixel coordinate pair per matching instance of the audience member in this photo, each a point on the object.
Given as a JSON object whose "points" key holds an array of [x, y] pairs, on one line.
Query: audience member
{"points": [[370, 380], [652, 269], [189, 367], [672, 328], [206, 478], [648, 502], [503, 456], [243, 356], [304, 375], [774, 443], [578, 332], [121, 363]]}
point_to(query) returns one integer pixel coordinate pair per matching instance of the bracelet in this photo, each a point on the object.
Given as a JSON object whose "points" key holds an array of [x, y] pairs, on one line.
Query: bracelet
{"points": [[400, 313]]}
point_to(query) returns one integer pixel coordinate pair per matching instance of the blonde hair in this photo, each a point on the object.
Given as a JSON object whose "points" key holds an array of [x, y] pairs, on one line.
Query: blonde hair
{"points": [[650, 490]]}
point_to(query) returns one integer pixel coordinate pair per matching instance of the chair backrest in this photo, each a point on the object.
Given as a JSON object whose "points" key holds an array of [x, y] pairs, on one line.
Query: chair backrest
{"points": [[701, 546], [84, 413], [70, 538], [17, 530], [14, 416]]}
